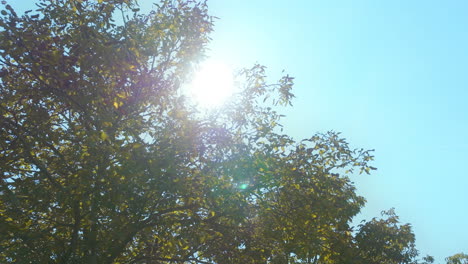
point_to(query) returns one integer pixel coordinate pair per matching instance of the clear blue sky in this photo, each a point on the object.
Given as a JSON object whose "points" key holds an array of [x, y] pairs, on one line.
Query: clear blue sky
{"points": [[390, 75]]}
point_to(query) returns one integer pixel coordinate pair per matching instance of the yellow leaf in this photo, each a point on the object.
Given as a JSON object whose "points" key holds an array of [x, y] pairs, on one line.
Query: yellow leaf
{"points": [[122, 95], [116, 105], [104, 136]]}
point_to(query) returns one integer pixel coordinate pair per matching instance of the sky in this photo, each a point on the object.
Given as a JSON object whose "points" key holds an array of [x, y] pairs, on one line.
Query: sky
{"points": [[390, 75]]}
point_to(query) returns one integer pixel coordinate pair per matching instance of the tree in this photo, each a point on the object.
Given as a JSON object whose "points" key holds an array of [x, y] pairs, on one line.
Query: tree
{"points": [[104, 160], [386, 241], [459, 258]]}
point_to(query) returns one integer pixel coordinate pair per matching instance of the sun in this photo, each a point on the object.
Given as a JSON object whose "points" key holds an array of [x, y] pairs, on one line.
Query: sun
{"points": [[212, 84]]}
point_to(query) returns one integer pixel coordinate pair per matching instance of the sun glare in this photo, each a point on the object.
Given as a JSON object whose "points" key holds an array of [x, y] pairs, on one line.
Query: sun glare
{"points": [[212, 84]]}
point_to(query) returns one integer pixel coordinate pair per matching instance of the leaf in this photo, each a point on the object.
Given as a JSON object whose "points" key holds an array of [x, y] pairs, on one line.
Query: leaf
{"points": [[104, 136]]}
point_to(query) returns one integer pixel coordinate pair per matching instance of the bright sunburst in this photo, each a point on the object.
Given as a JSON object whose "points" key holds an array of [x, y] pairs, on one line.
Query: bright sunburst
{"points": [[212, 84]]}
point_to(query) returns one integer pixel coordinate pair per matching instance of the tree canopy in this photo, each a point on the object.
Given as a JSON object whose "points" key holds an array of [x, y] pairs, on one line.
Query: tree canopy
{"points": [[459, 258], [104, 160]]}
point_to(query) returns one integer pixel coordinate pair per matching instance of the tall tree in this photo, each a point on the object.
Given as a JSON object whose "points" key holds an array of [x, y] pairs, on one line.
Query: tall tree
{"points": [[104, 160]]}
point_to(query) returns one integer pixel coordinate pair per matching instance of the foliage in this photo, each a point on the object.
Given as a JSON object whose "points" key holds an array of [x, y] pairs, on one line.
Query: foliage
{"points": [[427, 260], [459, 258], [104, 160], [386, 241]]}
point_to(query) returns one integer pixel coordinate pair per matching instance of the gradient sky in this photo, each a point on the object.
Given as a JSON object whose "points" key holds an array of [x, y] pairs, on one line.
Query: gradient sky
{"points": [[390, 75]]}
